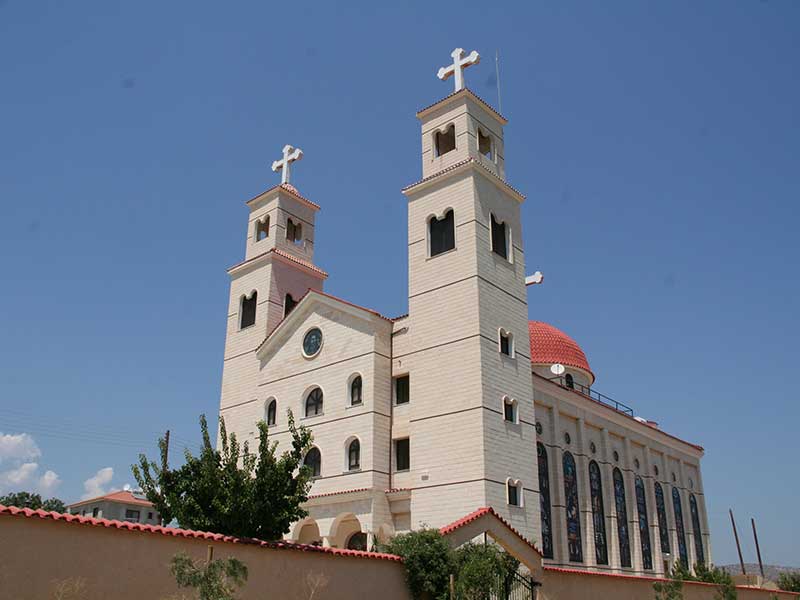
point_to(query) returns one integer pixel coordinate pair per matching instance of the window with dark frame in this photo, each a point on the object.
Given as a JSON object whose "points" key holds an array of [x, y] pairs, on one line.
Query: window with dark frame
{"points": [[499, 238], [513, 493], [445, 141], [95, 512], [294, 231], [132, 515], [484, 144], [509, 411], [505, 343], [248, 311], [402, 389], [354, 456], [356, 387], [569, 380], [314, 403], [313, 461], [402, 455], [262, 228], [272, 410], [442, 233]]}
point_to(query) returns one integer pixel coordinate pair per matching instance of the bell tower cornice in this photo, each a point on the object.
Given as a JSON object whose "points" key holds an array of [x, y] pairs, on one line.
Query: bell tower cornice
{"points": [[459, 97]]}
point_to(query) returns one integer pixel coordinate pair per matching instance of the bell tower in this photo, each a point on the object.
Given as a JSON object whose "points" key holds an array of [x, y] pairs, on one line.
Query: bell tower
{"points": [[277, 271], [471, 424]]}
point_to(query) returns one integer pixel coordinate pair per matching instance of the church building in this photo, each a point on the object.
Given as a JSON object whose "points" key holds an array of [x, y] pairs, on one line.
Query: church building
{"points": [[462, 403]]}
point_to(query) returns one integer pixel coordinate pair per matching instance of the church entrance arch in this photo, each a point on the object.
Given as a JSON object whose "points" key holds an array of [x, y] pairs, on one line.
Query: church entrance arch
{"points": [[344, 529], [307, 532]]}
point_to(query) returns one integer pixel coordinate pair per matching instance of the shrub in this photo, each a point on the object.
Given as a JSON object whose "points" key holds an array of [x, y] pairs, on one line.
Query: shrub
{"points": [[789, 581], [428, 559]]}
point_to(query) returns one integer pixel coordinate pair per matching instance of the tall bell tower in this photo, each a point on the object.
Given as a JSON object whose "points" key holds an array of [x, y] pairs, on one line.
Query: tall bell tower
{"points": [[277, 271], [470, 424]]}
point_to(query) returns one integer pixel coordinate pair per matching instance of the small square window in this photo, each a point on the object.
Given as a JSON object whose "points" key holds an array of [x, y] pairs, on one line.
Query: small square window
{"points": [[402, 454], [402, 390], [132, 515]]}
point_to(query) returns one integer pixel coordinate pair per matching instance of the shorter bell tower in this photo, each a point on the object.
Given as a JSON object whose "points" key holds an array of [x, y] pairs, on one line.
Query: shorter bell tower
{"points": [[277, 271]]}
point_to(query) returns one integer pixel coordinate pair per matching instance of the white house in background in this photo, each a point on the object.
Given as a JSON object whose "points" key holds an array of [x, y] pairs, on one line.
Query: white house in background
{"points": [[124, 505], [464, 402]]}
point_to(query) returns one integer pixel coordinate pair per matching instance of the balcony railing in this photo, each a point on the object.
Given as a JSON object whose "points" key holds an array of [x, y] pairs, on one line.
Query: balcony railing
{"points": [[592, 394]]}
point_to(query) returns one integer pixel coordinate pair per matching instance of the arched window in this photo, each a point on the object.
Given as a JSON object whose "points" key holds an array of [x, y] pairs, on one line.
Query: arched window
{"points": [[499, 238], [354, 455], [484, 144], [356, 390], [644, 524], [445, 141], [247, 311], [574, 539], [288, 304], [271, 412], [544, 501], [698, 535], [294, 232], [313, 461], [514, 492], [622, 519], [678, 509], [262, 228], [510, 410], [357, 541], [569, 380], [314, 402], [442, 233], [506, 343], [598, 514], [661, 510]]}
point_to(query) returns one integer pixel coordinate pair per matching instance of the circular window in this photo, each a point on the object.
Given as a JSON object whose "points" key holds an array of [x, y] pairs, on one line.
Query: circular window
{"points": [[616, 456], [655, 470], [593, 448], [567, 439], [636, 463], [312, 342], [539, 428]]}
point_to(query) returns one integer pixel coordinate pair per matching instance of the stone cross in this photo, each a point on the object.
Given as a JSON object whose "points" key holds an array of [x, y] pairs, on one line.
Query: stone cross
{"points": [[290, 154], [459, 64]]}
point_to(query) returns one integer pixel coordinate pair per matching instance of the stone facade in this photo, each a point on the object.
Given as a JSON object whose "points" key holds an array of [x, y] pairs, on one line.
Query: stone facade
{"points": [[474, 405]]}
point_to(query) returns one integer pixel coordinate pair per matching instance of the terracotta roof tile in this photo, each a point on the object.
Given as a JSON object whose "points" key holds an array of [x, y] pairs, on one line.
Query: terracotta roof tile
{"points": [[466, 92], [550, 345], [187, 533], [282, 254], [486, 510], [460, 164], [287, 187], [123, 496]]}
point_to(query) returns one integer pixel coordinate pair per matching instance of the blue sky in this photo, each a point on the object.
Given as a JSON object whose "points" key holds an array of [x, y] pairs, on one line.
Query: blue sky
{"points": [[656, 142]]}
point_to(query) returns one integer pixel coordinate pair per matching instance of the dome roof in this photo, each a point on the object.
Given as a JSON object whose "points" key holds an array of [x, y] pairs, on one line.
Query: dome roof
{"points": [[550, 345]]}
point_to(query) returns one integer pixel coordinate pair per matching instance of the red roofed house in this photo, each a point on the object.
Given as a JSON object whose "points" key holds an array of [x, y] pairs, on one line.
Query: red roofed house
{"points": [[124, 505], [464, 402]]}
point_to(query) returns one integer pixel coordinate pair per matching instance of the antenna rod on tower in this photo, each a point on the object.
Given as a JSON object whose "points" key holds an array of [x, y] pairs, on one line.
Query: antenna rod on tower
{"points": [[497, 73], [738, 546], [758, 550]]}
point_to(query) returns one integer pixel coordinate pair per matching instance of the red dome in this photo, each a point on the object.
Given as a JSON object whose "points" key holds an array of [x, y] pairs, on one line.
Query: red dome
{"points": [[550, 345]]}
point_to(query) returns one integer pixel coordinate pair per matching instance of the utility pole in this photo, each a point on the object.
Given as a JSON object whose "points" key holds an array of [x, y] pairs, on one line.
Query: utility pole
{"points": [[758, 550], [738, 546]]}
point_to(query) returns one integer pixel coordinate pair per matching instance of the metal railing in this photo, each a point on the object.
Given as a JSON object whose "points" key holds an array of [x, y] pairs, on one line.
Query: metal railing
{"points": [[571, 384]]}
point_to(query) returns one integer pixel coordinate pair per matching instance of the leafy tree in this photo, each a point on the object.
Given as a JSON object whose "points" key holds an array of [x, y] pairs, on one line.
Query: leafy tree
{"points": [[428, 559], [33, 501], [789, 581], [232, 491], [481, 569], [671, 588], [213, 580], [726, 590]]}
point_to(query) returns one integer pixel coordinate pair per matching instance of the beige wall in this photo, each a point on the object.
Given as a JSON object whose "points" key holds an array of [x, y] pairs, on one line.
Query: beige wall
{"points": [[36, 555], [557, 585]]}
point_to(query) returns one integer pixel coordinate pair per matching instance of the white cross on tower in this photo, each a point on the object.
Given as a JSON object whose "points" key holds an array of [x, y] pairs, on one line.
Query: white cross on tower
{"points": [[459, 64], [290, 154]]}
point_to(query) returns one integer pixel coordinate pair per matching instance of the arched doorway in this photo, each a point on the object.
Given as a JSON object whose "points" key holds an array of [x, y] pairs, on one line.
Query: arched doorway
{"points": [[343, 528], [308, 533]]}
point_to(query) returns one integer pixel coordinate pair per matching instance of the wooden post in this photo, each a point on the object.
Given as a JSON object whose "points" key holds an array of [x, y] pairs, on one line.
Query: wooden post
{"points": [[210, 555], [452, 587], [738, 546], [758, 549]]}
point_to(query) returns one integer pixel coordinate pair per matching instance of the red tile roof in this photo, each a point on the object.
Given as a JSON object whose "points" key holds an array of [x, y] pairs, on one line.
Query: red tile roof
{"points": [[486, 510], [339, 493], [287, 187], [13, 511], [550, 345], [123, 496], [461, 163], [464, 92], [284, 255]]}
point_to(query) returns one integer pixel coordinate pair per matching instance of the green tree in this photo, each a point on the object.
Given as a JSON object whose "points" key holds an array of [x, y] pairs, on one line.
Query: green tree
{"points": [[726, 590], [230, 490], [33, 501], [789, 581], [213, 580], [428, 560], [482, 570], [671, 588]]}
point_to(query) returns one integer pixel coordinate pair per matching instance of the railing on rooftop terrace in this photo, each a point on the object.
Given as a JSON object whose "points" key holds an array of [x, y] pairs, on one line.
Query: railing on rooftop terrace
{"points": [[593, 394]]}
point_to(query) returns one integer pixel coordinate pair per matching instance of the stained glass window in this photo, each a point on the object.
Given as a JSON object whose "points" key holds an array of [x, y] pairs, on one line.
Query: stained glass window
{"points": [[676, 505], [698, 536], [574, 540], [661, 509], [622, 519], [644, 524], [598, 514], [544, 502]]}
